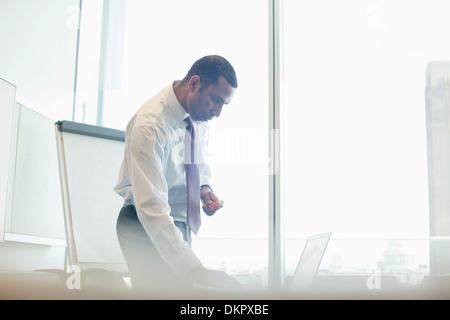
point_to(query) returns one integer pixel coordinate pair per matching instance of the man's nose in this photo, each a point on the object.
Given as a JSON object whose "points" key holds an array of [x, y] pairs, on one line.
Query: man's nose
{"points": [[217, 110]]}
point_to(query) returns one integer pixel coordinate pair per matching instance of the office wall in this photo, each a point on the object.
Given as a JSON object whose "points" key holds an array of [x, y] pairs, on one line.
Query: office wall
{"points": [[38, 47], [38, 42]]}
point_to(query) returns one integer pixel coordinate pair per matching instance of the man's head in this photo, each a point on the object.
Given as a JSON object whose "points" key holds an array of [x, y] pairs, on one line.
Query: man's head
{"points": [[210, 84]]}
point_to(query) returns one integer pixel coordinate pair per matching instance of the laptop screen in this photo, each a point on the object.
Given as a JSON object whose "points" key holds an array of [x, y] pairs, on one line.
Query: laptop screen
{"points": [[310, 261]]}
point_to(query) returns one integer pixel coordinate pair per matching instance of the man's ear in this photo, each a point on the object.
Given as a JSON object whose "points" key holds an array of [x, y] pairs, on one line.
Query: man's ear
{"points": [[194, 83]]}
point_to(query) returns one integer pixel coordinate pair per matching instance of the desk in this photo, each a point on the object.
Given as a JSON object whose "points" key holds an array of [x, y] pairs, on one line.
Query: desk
{"points": [[51, 285]]}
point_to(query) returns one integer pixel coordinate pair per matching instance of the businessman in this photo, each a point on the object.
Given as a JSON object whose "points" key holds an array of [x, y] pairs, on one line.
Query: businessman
{"points": [[152, 227]]}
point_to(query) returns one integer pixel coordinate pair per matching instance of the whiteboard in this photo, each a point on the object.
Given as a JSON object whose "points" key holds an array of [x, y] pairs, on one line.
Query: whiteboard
{"points": [[90, 158], [7, 101]]}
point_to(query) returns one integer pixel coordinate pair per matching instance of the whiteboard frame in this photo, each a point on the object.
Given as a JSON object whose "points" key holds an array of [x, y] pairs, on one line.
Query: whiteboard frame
{"points": [[92, 131]]}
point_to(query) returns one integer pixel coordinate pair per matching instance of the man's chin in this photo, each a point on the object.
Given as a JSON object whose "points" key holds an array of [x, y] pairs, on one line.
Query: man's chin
{"points": [[203, 119]]}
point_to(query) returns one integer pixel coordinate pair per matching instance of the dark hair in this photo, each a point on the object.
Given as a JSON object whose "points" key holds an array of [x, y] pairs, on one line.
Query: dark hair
{"points": [[210, 69]]}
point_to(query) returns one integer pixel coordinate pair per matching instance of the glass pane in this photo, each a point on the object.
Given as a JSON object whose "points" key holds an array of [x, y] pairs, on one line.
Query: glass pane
{"points": [[405, 259], [355, 149], [38, 47], [88, 61]]}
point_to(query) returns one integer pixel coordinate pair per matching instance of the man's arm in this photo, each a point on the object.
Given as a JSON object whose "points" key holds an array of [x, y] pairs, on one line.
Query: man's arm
{"points": [[151, 199], [150, 191]]}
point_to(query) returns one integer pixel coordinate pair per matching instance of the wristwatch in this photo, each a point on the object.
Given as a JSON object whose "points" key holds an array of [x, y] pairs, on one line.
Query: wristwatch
{"points": [[206, 185]]}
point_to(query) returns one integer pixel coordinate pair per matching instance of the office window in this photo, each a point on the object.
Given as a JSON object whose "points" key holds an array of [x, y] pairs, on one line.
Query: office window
{"points": [[84, 109], [38, 45], [148, 45], [354, 128]]}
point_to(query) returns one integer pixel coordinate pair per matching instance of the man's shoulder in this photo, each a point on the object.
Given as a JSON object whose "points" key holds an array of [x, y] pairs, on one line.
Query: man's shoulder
{"points": [[154, 110], [156, 104]]}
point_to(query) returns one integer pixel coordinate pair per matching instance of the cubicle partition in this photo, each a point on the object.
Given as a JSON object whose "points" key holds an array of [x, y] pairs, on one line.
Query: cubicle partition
{"points": [[58, 208], [30, 191], [7, 100], [34, 209]]}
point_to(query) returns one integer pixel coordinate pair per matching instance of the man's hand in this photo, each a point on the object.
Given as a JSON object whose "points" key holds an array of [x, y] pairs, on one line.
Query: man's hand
{"points": [[213, 278], [210, 201]]}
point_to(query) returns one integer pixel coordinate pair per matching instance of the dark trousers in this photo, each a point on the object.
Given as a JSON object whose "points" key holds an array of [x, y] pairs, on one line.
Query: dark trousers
{"points": [[148, 271]]}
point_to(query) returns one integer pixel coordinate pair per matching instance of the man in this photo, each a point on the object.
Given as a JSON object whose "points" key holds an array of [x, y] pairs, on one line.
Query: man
{"points": [[152, 225]]}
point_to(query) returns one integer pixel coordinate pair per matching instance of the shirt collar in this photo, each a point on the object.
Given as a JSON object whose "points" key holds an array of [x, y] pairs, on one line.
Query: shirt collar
{"points": [[179, 113]]}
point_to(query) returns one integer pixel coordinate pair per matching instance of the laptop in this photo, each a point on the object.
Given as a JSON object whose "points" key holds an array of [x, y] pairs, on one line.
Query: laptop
{"points": [[309, 262]]}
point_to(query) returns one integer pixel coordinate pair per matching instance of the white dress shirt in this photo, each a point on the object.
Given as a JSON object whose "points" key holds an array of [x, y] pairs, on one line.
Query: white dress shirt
{"points": [[153, 176]]}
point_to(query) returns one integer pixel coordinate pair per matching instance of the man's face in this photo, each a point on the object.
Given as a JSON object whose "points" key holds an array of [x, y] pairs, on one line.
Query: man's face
{"points": [[207, 103]]}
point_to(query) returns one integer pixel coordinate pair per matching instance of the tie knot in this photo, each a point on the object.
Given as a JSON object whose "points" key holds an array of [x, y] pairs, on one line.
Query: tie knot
{"points": [[188, 120], [190, 126]]}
